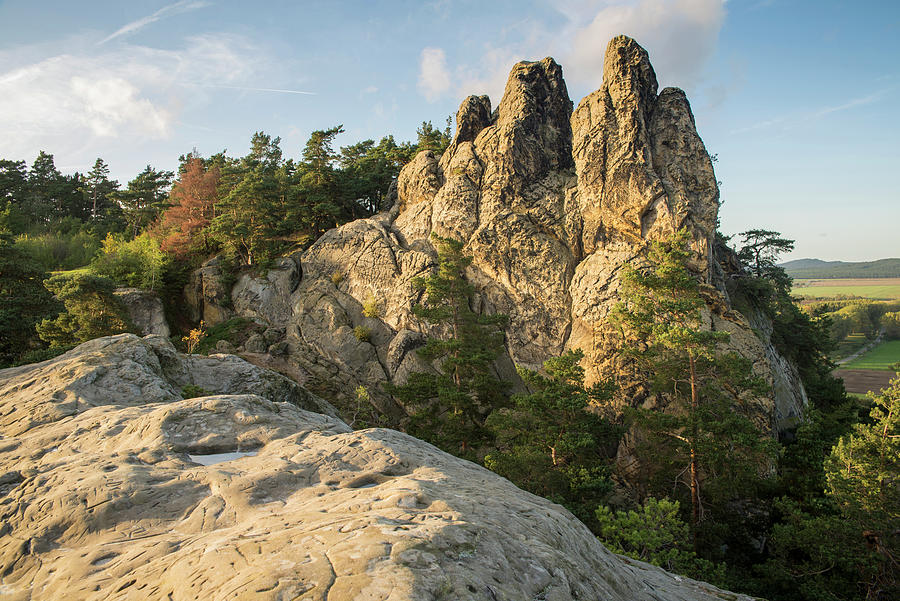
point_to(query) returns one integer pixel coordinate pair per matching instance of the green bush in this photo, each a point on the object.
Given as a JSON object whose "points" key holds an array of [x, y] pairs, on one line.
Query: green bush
{"points": [[656, 534], [91, 310], [138, 263], [370, 308], [362, 333], [191, 392]]}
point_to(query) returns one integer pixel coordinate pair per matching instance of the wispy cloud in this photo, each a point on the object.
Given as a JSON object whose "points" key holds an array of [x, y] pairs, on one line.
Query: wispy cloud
{"points": [[64, 101], [251, 89], [862, 101], [172, 9], [762, 4], [812, 115]]}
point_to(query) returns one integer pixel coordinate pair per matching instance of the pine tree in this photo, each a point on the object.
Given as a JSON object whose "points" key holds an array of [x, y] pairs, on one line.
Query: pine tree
{"points": [[253, 205], [449, 408], [703, 430], [760, 251], [91, 310], [863, 474], [551, 442], [144, 198], [96, 188], [44, 198], [319, 185]]}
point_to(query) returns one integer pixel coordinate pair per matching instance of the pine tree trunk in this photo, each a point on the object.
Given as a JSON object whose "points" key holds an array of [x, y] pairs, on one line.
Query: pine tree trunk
{"points": [[695, 480]]}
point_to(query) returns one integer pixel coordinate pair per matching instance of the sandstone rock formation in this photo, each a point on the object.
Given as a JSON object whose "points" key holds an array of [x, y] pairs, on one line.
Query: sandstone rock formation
{"points": [[108, 492], [145, 310], [207, 295], [551, 203]]}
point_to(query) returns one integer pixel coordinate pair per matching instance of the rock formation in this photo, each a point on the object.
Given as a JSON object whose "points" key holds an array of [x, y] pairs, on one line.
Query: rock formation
{"points": [[145, 310], [109, 491], [551, 203]]}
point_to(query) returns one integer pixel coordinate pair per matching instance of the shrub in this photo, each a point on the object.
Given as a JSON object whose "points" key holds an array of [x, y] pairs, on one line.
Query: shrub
{"points": [[656, 534], [337, 277], [235, 330], [192, 392], [194, 337], [91, 310], [139, 263], [370, 308], [362, 333]]}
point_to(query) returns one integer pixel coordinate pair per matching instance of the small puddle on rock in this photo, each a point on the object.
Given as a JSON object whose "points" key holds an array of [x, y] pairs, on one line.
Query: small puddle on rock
{"points": [[220, 457]]}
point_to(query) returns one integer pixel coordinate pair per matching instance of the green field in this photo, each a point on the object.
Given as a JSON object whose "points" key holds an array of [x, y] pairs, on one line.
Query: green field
{"points": [[881, 357], [874, 288], [78, 271], [848, 346]]}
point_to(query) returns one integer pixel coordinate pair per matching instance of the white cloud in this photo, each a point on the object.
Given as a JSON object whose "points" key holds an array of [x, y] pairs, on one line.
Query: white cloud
{"points": [[490, 77], [111, 102], [680, 35], [166, 11], [434, 78], [132, 92]]}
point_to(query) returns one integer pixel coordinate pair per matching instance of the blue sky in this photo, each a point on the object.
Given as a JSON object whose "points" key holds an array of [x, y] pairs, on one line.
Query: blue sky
{"points": [[798, 98]]}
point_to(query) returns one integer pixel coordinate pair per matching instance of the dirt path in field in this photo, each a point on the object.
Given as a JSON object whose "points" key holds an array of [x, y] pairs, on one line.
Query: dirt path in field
{"points": [[862, 381]]}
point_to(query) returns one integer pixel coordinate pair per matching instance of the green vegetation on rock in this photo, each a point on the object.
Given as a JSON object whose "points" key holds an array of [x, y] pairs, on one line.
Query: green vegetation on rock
{"points": [[449, 407]]}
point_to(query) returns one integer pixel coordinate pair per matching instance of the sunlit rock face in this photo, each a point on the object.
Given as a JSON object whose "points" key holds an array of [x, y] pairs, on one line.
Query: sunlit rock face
{"points": [[551, 203], [115, 487]]}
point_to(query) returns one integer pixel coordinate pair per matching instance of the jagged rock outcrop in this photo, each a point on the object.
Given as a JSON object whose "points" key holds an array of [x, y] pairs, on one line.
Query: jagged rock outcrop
{"points": [[145, 310], [109, 491], [207, 294], [268, 296], [551, 204]]}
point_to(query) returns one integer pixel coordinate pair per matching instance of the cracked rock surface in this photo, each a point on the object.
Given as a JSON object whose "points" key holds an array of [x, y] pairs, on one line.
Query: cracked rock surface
{"points": [[100, 498]]}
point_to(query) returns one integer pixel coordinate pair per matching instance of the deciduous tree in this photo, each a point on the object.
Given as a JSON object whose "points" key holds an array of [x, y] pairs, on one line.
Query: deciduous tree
{"points": [[193, 202], [23, 300]]}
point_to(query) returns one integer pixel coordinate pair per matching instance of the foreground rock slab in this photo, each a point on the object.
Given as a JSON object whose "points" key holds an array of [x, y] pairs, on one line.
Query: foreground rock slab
{"points": [[100, 498]]}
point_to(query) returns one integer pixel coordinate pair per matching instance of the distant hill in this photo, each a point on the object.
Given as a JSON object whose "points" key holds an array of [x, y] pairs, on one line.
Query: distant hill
{"points": [[816, 268]]}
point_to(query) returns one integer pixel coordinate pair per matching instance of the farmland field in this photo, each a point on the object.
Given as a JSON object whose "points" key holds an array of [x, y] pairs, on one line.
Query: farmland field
{"points": [[874, 288], [881, 357], [848, 346]]}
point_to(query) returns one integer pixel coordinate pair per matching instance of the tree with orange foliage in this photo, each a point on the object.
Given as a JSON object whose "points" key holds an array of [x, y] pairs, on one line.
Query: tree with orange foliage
{"points": [[193, 199]]}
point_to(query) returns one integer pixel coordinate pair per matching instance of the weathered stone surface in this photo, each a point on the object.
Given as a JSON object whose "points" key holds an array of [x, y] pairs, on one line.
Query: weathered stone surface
{"points": [[110, 497], [206, 294], [126, 370], [268, 296], [145, 310]]}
